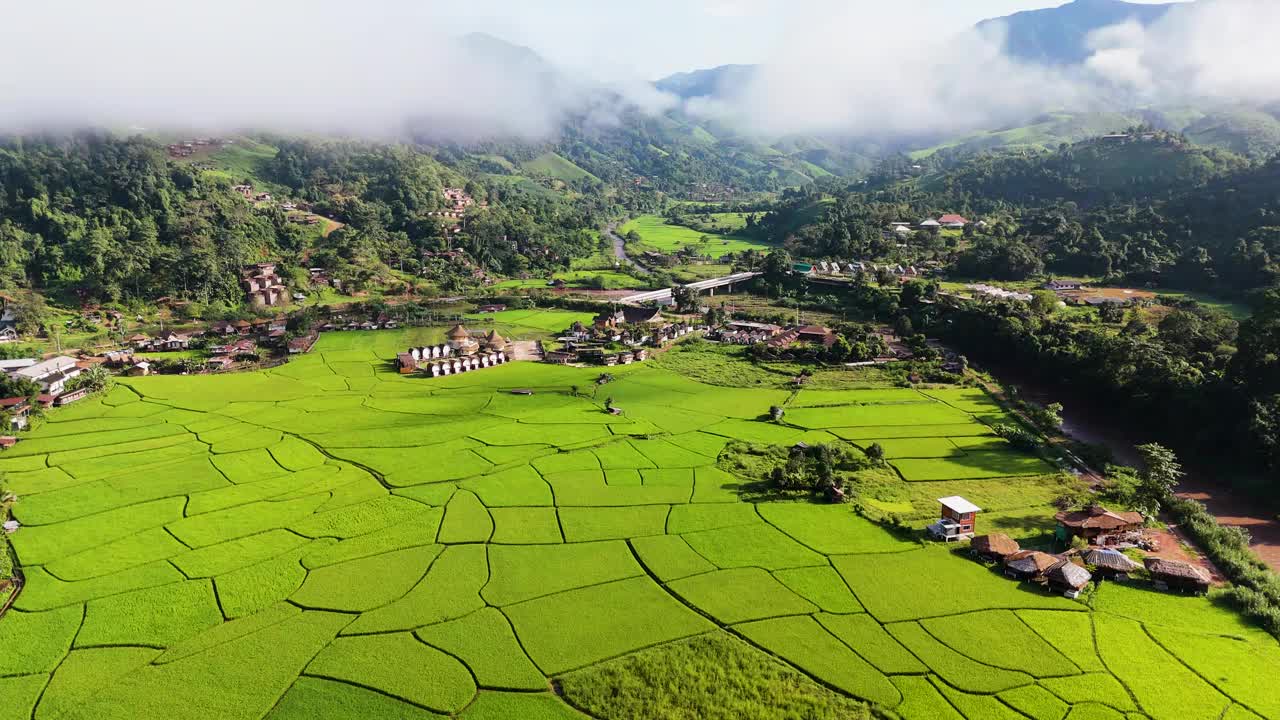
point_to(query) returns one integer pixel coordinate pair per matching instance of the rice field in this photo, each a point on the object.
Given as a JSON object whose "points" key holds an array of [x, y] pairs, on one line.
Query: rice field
{"points": [[655, 233], [329, 539]]}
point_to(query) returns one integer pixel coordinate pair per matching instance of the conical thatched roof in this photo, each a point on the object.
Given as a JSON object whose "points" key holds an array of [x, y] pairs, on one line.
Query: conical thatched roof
{"points": [[458, 333], [494, 340]]}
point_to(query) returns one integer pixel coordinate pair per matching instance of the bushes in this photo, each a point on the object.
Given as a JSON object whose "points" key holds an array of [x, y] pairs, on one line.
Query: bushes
{"points": [[1256, 590]]}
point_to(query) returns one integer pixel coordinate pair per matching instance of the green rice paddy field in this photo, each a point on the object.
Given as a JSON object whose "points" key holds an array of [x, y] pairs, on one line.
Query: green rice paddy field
{"points": [[329, 539], [655, 233]]}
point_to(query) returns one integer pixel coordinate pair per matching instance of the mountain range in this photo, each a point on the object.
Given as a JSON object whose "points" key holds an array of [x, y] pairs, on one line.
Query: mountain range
{"points": [[676, 149]]}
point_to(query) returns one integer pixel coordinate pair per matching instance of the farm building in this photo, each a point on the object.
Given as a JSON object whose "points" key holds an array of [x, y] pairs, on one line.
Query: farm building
{"points": [[1111, 564], [994, 547], [1031, 564], [957, 520], [628, 316], [953, 221], [1175, 575], [302, 345], [1068, 579], [139, 370], [1098, 525]]}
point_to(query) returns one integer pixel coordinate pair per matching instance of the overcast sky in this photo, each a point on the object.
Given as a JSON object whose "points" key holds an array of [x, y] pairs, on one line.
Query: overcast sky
{"points": [[657, 37]]}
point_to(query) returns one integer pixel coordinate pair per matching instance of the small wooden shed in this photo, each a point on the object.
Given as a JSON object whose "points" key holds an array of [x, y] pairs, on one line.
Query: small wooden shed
{"points": [[1031, 564], [1110, 564], [1177, 575], [1068, 579]]}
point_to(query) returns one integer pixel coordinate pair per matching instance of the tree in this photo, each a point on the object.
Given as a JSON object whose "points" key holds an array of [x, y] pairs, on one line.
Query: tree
{"points": [[1044, 302], [1159, 476], [573, 390], [685, 297], [776, 413], [875, 452], [777, 267], [96, 379], [840, 350]]}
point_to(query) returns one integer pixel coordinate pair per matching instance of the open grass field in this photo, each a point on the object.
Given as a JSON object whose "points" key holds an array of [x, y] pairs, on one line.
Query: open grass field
{"points": [[655, 233], [329, 539]]}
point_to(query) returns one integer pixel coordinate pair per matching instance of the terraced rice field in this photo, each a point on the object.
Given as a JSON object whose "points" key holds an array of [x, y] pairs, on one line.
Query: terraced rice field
{"points": [[329, 539]]}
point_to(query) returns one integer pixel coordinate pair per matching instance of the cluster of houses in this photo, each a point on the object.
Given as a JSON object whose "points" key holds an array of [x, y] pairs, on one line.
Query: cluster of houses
{"points": [[636, 328], [983, 290], [463, 352], [1106, 533], [853, 269], [263, 286], [51, 376], [187, 148]]}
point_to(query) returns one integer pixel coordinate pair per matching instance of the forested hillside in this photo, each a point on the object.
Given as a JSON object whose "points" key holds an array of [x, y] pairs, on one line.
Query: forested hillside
{"points": [[102, 218], [1146, 207]]}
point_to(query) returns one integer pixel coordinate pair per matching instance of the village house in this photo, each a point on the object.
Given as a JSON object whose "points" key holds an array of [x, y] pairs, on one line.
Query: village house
{"points": [[747, 333], [953, 222], [1176, 575], [1099, 525], [219, 362], [10, 366], [170, 341], [1057, 285], [19, 409], [263, 286], [235, 349], [995, 547], [302, 345], [628, 316], [957, 519], [930, 224], [140, 369], [51, 375]]}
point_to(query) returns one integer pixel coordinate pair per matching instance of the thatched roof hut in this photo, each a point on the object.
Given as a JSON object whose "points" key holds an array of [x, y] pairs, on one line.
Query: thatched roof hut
{"points": [[1068, 578], [457, 332], [1030, 564], [1110, 563], [994, 547], [1176, 575]]}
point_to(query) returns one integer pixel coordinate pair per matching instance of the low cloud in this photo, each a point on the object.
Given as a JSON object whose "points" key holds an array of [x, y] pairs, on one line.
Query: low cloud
{"points": [[380, 68], [903, 75]]}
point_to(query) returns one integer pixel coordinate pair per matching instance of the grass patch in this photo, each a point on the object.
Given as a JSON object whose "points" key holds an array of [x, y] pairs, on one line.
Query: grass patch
{"points": [[713, 677]]}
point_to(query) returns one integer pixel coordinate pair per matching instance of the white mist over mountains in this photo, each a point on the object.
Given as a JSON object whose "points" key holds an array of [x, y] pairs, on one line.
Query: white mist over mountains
{"points": [[381, 67]]}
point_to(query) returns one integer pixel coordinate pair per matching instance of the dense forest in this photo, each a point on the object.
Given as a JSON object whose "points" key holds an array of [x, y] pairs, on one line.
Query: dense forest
{"points": [[101, 218], [1155, 211]]}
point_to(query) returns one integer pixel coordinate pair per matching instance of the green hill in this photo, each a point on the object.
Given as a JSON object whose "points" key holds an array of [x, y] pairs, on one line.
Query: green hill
{"points": [[554, 165]]}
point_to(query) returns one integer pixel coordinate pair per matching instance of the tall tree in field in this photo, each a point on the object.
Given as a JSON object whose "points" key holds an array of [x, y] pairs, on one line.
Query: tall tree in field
{"points": [[1159, 476]]}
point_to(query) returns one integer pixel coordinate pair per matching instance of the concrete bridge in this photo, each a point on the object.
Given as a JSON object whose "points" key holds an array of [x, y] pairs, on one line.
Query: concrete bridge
{"points": [[728, 281]]}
